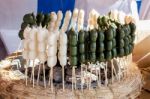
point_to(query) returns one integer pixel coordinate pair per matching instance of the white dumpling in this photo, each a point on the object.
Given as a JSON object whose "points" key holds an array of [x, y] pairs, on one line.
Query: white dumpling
{"points": [[59, 15], [75, 12], [128, 19], [42, 56], [52, 50], [81, 14], [116, 14], [52, 39], [32, 46], [68, 15], [62, 60], [26, 44], [57, 33], [32, 55], [52, 61], [26, 32], [42, 34], [63, 38], [25, 54], [53, 16], [63, 50], [121, 17], [42, 46], [33, 33]]}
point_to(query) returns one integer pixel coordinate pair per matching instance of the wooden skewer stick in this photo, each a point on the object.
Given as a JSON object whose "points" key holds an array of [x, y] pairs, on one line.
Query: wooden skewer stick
{"points": [[82, 77], [63, 82], [86, 77], [38, 75], [72, 80], [114, 70], [119, 70], [33, 73], [90, 78], [75, 80], [26, 72], [100, 74], [112, 74], [97, 75], [52, 79], [106, 80], [44, 75], [49, 77]]}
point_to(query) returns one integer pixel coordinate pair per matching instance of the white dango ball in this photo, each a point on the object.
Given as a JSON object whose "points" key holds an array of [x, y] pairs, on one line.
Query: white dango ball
{"points": [[63, 50], [52, 61], [25, 54], [128, 19], [57, 33], [32, 46], [115, 14], [62, 60], [33, 33], [26, 44], [52, 50], [52, 39], [68, 14], [42, 56], [121, 17], [75, 12], [42, 34], [60, 15], [63, 38], [42, 46], [53, 16], [26, 32], [32, 55], [81, 13]]}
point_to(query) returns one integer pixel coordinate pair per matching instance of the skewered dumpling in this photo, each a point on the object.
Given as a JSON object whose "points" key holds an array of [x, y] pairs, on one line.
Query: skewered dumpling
{"points": [[121, 17], [52, 39], [52, 50], [42, 34], [32, 46], [62, 60], [33, 33], [25, 54], [42, 56], [63, 50], [26, 32], [63, 38], [26, 44], [42, 46], [52, 61], [32, 55]]}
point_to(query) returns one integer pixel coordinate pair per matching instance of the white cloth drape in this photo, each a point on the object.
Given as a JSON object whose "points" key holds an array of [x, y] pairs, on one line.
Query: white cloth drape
{"points": [[11, 14], [145, 10], [12, 11], [104, 6]]}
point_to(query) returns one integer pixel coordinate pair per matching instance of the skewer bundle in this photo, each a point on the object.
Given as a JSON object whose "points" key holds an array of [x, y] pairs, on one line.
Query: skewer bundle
{"points": [[106, 38], [62, 54], [33, 53], [42, 47], [52, 48]]}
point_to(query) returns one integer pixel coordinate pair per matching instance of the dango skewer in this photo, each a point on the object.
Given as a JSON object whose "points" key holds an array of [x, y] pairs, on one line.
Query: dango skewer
{"points": [[33, 49], [42, 45], [62, 55]]}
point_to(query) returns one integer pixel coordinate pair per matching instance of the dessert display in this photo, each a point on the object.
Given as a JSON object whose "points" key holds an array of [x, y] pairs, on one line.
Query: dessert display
{"points": [[64, 58]]}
